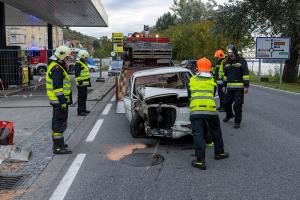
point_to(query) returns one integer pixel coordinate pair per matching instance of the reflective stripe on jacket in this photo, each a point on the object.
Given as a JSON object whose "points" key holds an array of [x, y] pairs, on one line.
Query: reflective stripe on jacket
{"points": [[236, 74], [54, 93], [202, 95], [84, 76]]}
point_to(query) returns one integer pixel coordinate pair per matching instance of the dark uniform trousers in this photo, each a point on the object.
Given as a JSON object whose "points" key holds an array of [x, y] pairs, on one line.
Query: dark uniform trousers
{"points": [[59, 123], [221, 95], [199, 123], [82, 97], [235, 96]]}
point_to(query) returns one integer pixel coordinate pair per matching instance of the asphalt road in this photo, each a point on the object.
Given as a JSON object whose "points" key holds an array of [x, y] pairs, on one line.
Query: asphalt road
{"points": [[264, 159]]}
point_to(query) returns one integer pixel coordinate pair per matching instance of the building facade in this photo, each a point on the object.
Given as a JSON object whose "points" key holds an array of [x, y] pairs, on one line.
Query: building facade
{"points": [[32, 36]]}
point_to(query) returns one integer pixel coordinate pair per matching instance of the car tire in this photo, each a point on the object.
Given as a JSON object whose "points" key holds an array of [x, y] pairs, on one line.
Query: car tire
{"points": [[137, 128], [92, 70]]}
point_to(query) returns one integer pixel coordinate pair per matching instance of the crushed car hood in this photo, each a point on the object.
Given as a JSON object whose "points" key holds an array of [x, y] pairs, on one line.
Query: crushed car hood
{"points": [[152, 92]]}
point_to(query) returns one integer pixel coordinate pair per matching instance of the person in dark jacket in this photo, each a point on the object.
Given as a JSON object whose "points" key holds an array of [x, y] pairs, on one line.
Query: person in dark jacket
{"points": [[82, 78], [58, 85], [236, 84]]}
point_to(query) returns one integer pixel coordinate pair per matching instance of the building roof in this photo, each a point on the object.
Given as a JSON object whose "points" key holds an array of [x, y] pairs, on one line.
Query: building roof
{"points": [[75, 13]]}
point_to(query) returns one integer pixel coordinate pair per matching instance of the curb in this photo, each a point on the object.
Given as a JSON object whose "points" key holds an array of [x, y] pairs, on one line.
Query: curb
{"points": [[274, 89]]}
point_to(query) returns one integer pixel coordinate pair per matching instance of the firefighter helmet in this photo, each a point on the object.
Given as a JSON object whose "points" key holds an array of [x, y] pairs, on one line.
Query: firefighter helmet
{"points": [[203, 65], [219, 54], [231, 48], [62, 52], [83, 54]]}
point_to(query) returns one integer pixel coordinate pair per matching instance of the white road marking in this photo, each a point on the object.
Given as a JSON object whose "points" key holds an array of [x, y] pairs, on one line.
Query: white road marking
{"points": [[113, 99], [275, 89], [106, 109], [64, 185], [120, 107], [94, 131]]}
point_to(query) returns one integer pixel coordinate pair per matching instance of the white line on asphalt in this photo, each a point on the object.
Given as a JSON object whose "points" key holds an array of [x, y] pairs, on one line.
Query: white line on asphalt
{"points": [[94, 131], [275, 89], [113, 99], [106, 109], [64, 185]]}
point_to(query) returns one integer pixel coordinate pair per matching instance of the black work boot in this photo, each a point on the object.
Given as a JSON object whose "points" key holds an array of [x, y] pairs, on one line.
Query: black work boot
{"points": [[87, 111], [200, 164], [60, 150], [221, 156], [59, 146], [227, 118], [82, 114], [236, 125]]}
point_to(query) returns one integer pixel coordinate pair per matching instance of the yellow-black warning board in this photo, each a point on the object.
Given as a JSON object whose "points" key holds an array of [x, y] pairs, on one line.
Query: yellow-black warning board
{"points": [[118, 42]]}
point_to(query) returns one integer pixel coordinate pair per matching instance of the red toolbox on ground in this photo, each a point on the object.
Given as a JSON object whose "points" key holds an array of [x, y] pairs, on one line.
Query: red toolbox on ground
{"points": [[6, 133]]}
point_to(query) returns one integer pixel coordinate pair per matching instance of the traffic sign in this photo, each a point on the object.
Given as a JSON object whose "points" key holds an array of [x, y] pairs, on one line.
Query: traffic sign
{"points": [[118, 42], [273, 48]]}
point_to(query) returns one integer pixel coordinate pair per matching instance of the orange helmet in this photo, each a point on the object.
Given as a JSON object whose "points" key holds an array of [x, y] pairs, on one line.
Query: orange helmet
{"points": [[203, 65], [220, 54]]}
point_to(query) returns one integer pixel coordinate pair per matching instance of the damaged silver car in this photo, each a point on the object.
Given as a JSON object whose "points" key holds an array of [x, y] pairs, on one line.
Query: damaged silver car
{"points": [[156, 102]]}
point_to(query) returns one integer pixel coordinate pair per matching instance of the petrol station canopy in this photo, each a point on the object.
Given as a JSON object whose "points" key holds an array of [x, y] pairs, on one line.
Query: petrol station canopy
{"points": [[75, 13]]}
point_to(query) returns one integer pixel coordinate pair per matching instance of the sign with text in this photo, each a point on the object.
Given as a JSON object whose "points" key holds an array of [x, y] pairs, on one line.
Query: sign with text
{"points": [[273, 48], [118, 42]]}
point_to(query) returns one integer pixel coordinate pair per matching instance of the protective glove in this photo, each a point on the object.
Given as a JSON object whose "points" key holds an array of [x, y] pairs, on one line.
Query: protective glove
{"points": [[64, 107], [246, 90], [224, 89]]}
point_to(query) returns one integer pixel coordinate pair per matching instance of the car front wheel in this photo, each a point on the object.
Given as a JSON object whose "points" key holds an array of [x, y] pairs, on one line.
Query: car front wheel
{"points": [[137, 128]]}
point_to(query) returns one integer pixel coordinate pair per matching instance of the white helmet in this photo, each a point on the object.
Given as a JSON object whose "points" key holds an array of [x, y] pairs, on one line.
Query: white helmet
{"points": [[62, 52], [83, 54]]}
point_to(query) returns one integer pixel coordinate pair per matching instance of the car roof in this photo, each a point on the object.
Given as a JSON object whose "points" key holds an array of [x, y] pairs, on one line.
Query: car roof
{"points": [[160, 70]]}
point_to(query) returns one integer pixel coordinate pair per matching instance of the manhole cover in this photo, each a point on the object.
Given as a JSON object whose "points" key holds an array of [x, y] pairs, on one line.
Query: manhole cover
{"points": [[10, 182], [142, 159]]}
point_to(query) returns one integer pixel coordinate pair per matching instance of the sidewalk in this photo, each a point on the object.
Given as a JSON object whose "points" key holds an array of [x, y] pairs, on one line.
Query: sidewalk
{"points": [[33, 127]]}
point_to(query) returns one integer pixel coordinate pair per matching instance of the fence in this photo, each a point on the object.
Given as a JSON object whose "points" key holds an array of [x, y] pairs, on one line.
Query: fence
{"points": [[269, 70], [22, 70]]}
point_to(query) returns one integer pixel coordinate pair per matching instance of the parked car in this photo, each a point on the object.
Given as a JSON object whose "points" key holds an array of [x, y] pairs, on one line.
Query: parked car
{"points": [[157, 104], [115, 67]]}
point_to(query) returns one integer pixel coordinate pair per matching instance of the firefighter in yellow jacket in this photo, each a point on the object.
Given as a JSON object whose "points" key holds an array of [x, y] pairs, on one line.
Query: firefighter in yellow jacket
{"points": [[82, 78], [58, 84], [203, 110]]}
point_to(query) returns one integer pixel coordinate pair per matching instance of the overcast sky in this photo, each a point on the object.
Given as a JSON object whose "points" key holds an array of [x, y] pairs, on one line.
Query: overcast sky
{"points": [[129, 16]]}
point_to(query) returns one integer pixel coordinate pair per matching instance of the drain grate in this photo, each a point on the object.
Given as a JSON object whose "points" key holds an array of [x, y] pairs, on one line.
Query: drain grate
{"points": [[142, 159], [11, 182]]}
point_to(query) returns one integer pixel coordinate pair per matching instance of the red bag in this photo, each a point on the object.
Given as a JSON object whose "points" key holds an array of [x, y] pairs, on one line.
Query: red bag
{"points": [[6, 133]]}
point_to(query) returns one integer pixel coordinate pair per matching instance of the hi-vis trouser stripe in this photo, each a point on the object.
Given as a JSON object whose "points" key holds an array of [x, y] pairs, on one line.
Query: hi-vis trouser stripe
{"points": [[235, 85], [56, 135], [246, 77]]}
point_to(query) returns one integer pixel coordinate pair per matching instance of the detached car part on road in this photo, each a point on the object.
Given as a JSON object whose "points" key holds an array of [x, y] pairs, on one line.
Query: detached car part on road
{"points": [[156, 102]]}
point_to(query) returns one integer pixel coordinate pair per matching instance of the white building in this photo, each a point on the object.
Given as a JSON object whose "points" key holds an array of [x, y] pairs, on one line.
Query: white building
{"points": [[32, 36]]}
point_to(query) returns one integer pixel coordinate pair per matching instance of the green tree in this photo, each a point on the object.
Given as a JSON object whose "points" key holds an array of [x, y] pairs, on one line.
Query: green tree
{"points": [[192, 41], [192, 11], [105, 47], [96, 44], [165, 21], [279, 18]]}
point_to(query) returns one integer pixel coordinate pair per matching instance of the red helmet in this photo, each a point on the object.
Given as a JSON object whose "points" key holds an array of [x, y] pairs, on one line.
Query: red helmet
{"points": [[220, 54], [203, 65]]}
